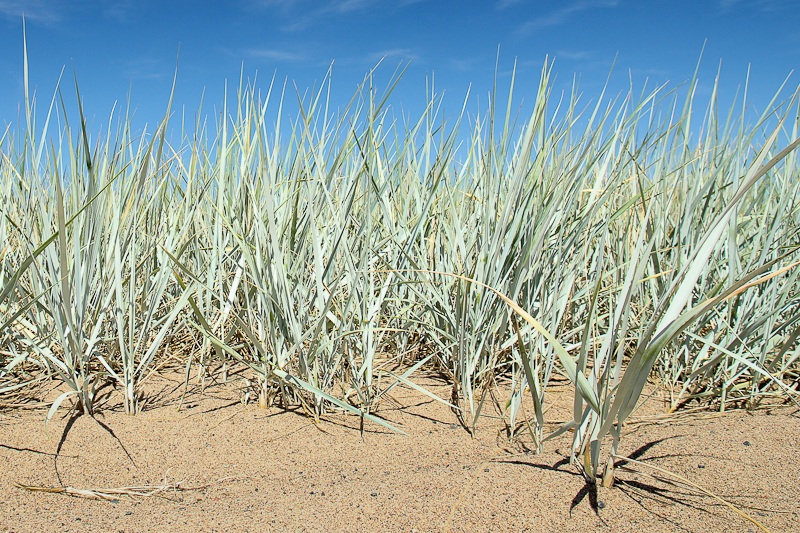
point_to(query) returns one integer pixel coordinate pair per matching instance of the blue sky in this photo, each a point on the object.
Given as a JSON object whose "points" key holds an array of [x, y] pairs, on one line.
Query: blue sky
{"points": [[128, 48]]}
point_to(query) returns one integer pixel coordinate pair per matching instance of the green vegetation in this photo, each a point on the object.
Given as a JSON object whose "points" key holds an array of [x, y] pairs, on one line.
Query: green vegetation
{"points": [[613, 245]]}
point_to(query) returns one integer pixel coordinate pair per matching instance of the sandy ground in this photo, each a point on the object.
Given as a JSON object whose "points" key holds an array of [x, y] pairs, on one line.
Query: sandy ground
{"points": [[232, 467]]}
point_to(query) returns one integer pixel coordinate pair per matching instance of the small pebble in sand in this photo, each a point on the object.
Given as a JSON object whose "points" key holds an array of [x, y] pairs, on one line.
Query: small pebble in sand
{"points": [[746, 443], [601, 505]]}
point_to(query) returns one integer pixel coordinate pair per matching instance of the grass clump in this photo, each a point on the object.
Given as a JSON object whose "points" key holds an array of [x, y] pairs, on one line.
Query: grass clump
{"points": [[612, 245]]}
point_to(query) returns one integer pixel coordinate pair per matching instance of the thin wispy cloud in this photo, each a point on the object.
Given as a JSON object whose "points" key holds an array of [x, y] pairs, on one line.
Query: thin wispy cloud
{"points": [[274, 55], [759, 5], [267, 4], [120, 10], [580, 62], [33, 10], [305, 13], [564, 14], [145, 68], [348, 6], [304, 8], [340, 7], [462, 65], [572, 55], [505, 4], [394, 53], [392, 56], [50, 12]]}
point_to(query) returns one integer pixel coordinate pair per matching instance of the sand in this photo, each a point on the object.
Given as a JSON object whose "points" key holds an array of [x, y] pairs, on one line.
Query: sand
{"points": [[232, 467]]}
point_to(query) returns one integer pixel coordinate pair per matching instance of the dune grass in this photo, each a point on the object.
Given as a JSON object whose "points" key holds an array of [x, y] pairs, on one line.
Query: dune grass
{"points": [[335, 256]]}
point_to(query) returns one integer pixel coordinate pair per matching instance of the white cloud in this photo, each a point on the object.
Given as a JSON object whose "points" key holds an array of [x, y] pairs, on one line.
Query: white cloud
{"points": [[391, 56], [145, 68], [462, 65], [760, 5], [304, 13], [274, 55], [50, 12], [402, 53], [120, 10], [505, 4], [347, 6], [283, 4], [33, 10], [564, 14], [572, 55]]}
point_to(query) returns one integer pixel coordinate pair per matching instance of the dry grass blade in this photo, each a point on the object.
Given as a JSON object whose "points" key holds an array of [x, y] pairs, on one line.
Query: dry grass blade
{"points": [[113, 494]]}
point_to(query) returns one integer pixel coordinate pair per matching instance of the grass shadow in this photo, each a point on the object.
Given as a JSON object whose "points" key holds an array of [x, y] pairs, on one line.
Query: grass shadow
{"points": [[73, 417], [70, 422]]}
